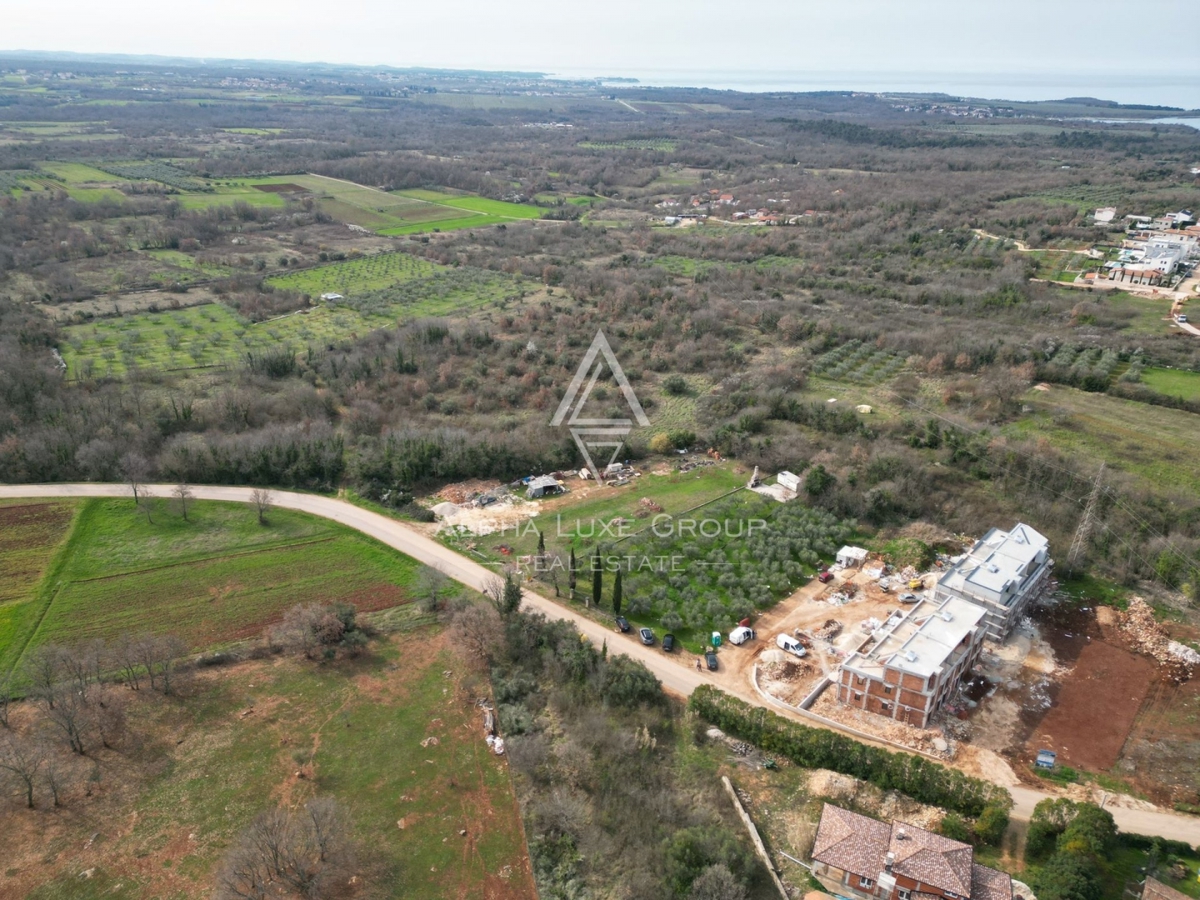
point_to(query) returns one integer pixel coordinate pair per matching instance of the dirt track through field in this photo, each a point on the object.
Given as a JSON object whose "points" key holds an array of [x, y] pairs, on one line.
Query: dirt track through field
{"points": [[676, 677]]}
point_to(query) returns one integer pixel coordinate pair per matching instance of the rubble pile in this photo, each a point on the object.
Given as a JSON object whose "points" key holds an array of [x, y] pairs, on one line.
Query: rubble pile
{"points": [[827, 632], [1145, 635], [646, 507]]}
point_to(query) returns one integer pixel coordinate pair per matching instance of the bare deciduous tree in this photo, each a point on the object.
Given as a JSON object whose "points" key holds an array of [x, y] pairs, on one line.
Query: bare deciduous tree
{"points": [[306, 852], [67, 710], [22, 759], [717, 883], [183, 496], [159, 656], [43, 670], [478, 632], [134, 469], [261, 500]]}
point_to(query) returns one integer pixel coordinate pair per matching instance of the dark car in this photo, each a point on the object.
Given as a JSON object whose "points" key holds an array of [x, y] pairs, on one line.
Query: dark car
{"points": [[710, 657], [825, 577], [647, 636], [623, 625], [668, 642]]}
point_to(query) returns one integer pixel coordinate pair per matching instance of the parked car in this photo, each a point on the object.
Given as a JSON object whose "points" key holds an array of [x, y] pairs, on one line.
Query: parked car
{"points": [[1181, 318], [710, 657], [647, 636], [668, 643], [790, 645], [825, 577], [623, 624], [741, 634], [908, 598]]}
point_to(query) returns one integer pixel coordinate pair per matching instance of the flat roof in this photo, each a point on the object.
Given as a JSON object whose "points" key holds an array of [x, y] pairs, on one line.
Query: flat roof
{"points": [[996, 561], [921, 641]]}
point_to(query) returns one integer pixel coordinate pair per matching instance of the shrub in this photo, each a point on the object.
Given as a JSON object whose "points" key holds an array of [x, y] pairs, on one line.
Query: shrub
{"points": [[675, 385], [661, 443], [626, 682]]}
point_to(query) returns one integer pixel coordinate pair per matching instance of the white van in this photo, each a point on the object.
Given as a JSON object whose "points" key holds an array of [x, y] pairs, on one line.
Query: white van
{"points": [[790, 645], [741, 634]]}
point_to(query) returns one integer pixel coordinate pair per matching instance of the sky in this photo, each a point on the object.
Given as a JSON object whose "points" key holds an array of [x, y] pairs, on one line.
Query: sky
{"points": [[1028, 46]]}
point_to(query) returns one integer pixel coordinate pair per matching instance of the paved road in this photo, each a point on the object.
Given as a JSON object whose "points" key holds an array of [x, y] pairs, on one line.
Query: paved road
{"points": [[678, 679]]}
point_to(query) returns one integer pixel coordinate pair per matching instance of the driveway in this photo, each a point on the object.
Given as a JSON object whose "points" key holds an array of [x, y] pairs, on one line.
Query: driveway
{"points": [[677, 677]]}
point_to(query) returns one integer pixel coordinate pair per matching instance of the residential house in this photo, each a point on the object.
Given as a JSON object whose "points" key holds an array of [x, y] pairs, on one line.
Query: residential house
{"points": [[1004, 573], [915, 661], [869, 859]]}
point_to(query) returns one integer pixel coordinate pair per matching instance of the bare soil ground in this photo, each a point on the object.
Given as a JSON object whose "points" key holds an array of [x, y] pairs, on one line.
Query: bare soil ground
{"points": [[1096, 706], [1162, 753]]}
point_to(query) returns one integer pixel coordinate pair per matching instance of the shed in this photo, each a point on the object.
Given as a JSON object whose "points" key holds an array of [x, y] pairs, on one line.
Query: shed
{"points": [[789, 480], [543, 486], [850, 557]]}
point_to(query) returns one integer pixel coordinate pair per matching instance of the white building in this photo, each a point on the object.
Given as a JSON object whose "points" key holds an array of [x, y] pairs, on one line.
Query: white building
{"points": [[1003, 573]]}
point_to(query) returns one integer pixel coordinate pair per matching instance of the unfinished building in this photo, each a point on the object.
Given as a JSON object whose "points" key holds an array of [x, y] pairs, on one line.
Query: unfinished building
{"points": [[914, 661], [1003, 573]]}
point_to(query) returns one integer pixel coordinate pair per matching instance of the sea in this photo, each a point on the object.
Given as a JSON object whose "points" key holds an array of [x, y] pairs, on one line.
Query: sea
{"points": [[1179, 89]]}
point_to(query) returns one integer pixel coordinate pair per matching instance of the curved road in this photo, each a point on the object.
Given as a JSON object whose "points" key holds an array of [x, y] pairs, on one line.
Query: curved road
{"points": [[678, 679]]}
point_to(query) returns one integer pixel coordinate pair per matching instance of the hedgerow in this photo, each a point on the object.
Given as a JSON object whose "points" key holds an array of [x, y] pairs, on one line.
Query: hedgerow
{"points": [[817, 748]]}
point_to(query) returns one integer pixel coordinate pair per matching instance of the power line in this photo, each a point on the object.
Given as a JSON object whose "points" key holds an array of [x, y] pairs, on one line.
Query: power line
{"points": [[1079, 543]]}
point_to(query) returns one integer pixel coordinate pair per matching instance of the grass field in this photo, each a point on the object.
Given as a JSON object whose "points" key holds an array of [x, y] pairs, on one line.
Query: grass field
{"points": [[216, 578], [1150, 442], [209, 762], [214, 335], [369, 273], [31, 534], [1173, 382], [476, 204], [661, 145]]}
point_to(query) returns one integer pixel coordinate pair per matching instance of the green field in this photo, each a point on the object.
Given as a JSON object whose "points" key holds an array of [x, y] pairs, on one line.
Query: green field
{"points": [[237, 192], [216, 578], [363, 748], [1150, 442], [369, 273], [476, 204], [77, 173], [1173, 382], [661, 145], [214, 335]]}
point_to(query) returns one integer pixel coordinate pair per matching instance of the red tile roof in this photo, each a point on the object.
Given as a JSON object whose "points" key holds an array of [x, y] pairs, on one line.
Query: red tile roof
{"points": [[861, 845], [931, 859], [851, 842]]}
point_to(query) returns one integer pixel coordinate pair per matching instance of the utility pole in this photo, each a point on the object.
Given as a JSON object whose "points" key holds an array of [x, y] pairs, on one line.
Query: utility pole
{"points": [[1079, 544]]}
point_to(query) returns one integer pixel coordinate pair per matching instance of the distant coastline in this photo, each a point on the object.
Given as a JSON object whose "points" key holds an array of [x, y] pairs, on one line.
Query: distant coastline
{"points": [[1167, 89]]}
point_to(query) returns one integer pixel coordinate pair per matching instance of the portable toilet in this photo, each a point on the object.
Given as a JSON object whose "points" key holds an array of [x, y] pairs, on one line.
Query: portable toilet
{"points": [[716, 639]]}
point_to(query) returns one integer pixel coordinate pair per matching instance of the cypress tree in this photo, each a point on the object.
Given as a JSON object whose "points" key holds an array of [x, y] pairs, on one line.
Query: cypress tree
{"points": [[617, 594], [596, 584], [571, 574]]}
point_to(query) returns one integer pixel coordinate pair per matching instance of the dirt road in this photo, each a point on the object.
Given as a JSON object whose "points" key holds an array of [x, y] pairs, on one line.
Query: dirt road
{"points": [[676, 677]]}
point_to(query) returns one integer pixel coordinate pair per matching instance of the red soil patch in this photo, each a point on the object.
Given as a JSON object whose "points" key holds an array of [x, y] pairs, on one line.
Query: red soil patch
{"points": [[280, 188], [1096, 707]]}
